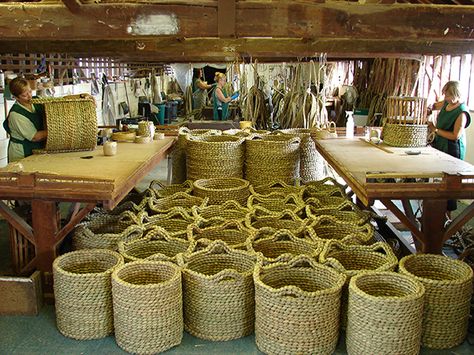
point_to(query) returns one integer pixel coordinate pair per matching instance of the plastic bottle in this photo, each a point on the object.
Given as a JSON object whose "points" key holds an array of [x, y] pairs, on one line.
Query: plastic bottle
{"points": [[350, 124]]}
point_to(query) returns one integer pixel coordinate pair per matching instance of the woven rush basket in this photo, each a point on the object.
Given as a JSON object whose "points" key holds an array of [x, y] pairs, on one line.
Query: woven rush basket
{"points": [[282, 245], [260, 217], [219, 293], [272, 157], [215, 157], [174, 221], [448, 285], [385, 314], [346, 211], [276, 202], [179, 199], [327, 186], [228, 210], [311, 163], [104, 232], [220, 190], [232, 232], [156, 245], [275, 187], [161, 190], [351, 260], [71, 124], [398, 135], [329, 228], [148, 308], [178, 154], [297, 307], [83, 293]]}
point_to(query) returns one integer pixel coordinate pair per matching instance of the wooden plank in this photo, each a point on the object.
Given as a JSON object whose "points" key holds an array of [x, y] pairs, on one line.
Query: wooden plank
{"points": [[432, 225], [21, 295], [75, 219], [226, 18], [465, 216], [16, 221]]}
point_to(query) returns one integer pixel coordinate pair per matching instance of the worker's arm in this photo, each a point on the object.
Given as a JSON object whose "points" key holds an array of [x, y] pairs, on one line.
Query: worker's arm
{"points": [[40, 136], [435, 107], [22, 128], [221, 96], [203, 85], [457, 131]]}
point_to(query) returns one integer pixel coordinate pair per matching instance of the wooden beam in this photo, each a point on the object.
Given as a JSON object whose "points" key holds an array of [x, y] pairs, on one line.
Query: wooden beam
{"points": [[73, 5], [226, 18], [297, 18]]}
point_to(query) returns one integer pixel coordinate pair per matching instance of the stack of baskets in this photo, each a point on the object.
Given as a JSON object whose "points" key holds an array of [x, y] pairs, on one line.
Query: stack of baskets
{"points": [[405, 122]]}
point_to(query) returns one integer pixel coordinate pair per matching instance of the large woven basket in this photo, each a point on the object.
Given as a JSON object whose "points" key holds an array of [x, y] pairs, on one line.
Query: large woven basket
{"points": [[351, 260], [83, 293], [228, 210], [272, 157], [215, 157], [311, 162], [274, 187], [156, 245], [161, 190], [346, 211], [148, 308], [220, 190], [405, 135], [71, 124], [329, 228], [260, 218], [179, 199], [297, 307], [385, 314], [178, 154], [232, 232], [448, 285], [104, 232], [219, 293], [282, 245], [276, 202]]}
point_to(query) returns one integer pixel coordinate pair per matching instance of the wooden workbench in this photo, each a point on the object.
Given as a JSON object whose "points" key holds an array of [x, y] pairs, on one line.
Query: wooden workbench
{"points": [[80, 177], [431, 176]]}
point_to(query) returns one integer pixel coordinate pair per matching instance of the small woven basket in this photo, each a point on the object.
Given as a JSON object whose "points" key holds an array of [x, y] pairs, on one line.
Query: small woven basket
{"points": [[71, 124], [272, 157], [228, 210], [327, 186], [448, 285], [405, 135], [329, 228], [385, 314], [220, 190], [297, 307], [346, 211], [178, 154], [161, 190], [104, 232], [179, 199], [260, 217], [175, 221], [351, 260], [148, 309], [157, 245], [219, 293], [215, 157], [273, 187], [232, 232], [83, 293], [276, 202], [282, 245]]}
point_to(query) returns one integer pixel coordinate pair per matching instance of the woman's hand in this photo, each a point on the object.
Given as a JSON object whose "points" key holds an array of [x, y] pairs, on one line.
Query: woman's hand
{"points": [[431, 126], [40, 136]]}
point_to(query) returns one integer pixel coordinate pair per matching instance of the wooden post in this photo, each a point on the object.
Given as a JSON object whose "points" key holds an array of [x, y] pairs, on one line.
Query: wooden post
{"points": [[432, 225]]}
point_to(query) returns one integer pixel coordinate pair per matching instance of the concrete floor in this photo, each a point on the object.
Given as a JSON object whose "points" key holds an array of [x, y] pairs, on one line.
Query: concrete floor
{"points": [[39, 335]]}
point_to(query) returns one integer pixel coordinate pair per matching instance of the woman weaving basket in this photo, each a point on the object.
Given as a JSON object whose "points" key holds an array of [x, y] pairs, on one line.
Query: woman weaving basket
{"points": [[450, 126]]}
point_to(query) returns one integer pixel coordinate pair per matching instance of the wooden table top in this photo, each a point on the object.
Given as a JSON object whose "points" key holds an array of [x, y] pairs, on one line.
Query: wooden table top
{"points": [[70, 177], [360, 162]]}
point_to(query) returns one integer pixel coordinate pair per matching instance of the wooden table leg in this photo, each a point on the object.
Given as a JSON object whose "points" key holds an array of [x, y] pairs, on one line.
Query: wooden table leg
{"points": [[432, 225], [46, 224]]}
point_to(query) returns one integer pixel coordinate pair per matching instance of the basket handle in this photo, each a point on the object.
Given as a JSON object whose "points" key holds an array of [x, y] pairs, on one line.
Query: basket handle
{"points": [[157, 183], [132, 233], [158, 233], [289, 292], [283, 235], [218, 247], [227, 276], [383, 248], [128, 217], [334, 263], [332, 127], [302, 261]]}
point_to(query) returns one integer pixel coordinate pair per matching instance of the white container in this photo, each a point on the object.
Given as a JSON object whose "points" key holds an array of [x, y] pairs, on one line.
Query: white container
{"points": [[4, 147], [3, 162], [349, 125], [159, 136], [110, 148]]}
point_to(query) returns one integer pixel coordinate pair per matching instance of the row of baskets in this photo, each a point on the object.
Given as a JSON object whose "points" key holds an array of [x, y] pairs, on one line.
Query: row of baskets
{"points": [[294, 305], [259, 156]]}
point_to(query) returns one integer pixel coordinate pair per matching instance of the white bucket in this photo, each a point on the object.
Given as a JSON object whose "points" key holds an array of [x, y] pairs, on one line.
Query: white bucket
{"points": [[3, 151], [3, 162]]}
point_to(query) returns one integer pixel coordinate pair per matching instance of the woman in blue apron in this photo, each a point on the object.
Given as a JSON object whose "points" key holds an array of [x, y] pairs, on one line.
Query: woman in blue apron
{"points": [[24, 123], [200, 88], [221, 98], [453, 118]]}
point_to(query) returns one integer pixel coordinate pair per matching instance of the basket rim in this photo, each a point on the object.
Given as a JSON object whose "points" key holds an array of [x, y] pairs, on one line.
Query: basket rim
{"points": [[420, 289], [176, 274], [468, 272], [90, 252], [243, 184]]}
